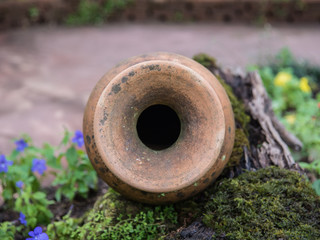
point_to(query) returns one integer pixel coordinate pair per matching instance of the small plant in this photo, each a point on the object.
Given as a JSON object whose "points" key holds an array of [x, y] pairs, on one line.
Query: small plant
{"points": [[34, 12], [91, 12], [79, 176], [63, 229], [33, 207], [20, 168], [88, 12], [178, 16], [7, 231], [20, 182], [23, 169]]}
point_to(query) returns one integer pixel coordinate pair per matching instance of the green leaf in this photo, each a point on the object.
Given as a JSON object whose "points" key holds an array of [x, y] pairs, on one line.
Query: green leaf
{"points": [[7, 193], [39, 195], [82, 187], [48, 152], [32, 222], [31, 211], [32, 150], [14, 155], [58, 194], [316, 186], [72, 156], [59, 181], [18, 203], [45, 211], [305, 165], [69, 193], [66, 137]]}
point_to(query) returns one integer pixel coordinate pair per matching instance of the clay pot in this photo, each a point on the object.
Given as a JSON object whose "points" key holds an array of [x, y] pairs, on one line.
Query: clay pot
{"points": [[159, 128]]}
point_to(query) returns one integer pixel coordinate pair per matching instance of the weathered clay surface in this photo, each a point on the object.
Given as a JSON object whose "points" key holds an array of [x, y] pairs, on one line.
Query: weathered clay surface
{"points": [[174, 173]]}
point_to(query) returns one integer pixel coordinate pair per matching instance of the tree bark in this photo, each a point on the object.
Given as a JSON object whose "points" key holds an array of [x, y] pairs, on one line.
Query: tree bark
{"points": [[269, 140]]}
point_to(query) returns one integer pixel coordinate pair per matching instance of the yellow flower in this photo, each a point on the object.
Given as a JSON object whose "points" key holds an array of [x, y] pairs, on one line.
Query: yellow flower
{"points": [[291, 118], [282, 78], [304, 86]]}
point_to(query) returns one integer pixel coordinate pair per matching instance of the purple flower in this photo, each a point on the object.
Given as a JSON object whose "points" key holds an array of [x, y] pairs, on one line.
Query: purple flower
{"points": [[19, 184], [38, 165], [21, 145], [78, 138], [37, 234], [22, 219], [4, 163]]}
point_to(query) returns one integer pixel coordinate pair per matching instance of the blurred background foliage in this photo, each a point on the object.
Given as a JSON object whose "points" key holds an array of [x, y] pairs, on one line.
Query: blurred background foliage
{"points": [[93, 12], [20, 13], [294, 87]]}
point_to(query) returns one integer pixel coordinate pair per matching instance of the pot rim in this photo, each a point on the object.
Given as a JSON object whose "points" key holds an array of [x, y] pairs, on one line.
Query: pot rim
{"points": [[111, 147]]}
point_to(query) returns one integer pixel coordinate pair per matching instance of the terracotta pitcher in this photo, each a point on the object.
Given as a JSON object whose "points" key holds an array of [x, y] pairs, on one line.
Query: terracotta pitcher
{"points": [[158, 128]]}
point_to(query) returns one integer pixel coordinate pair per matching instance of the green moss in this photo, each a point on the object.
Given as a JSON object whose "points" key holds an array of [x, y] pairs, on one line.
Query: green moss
{"points": [[205, 60], [240, 141], [241, 132], [270, 203], [242, 119], [114, 217]]}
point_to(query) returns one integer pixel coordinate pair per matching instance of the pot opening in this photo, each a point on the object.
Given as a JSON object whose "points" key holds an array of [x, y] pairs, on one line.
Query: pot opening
{"points": [[158, 127]]}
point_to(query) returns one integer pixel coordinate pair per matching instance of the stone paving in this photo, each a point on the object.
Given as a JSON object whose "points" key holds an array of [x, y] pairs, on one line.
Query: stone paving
{"points": [[47, 74]]}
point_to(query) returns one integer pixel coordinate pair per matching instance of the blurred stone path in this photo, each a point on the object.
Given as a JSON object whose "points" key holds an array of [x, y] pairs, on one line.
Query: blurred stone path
{"points": [[47, 74]]}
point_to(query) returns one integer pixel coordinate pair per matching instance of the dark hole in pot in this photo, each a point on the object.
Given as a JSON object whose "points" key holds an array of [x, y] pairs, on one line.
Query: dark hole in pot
{"points": [[158, 127]]}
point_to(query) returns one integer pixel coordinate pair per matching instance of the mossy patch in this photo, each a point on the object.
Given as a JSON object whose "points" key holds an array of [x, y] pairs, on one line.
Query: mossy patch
{"points": [[205, 60], [270, 203], [241, 141], [241, 132], [114, 217], [242, 119]]}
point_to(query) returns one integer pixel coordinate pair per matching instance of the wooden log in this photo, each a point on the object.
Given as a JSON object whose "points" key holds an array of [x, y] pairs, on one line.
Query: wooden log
{"points": [[269, 140]]}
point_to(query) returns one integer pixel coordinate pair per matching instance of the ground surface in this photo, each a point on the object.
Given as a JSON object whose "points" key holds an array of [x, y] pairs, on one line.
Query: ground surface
{"points": [[47, 74]]}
